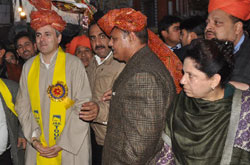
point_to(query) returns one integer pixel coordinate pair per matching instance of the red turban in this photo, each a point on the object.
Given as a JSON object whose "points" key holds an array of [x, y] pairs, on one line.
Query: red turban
{"points": [[134, 21], [41, 4], [76, 41], [46, 17], [126, 19], [236, 8]]}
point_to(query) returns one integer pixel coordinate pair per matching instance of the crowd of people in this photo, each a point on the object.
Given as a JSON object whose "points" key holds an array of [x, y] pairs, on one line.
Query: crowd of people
{"points": [[122, 95]]}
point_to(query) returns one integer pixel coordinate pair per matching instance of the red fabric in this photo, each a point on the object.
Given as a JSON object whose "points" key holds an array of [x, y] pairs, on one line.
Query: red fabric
{"points": [[14, 71], [76, 41], [41, 4], [168, 57], [130, 20], [236, 8], [126, 19], [46, 17]]}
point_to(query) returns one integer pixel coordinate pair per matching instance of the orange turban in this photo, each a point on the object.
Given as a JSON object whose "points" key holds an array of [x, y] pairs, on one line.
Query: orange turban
{"points": [[41, 4], [126, 19], [46, 17], [134, 21], [236, 8], [76, 41]]}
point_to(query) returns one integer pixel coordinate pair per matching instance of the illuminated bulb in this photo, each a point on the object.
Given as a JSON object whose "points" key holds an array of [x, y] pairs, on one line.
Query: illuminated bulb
{"points": [[22, 14], [20, 9]]}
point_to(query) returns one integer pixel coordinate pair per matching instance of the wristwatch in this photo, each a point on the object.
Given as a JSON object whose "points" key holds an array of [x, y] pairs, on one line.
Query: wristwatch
{"points": [[33, 140]]}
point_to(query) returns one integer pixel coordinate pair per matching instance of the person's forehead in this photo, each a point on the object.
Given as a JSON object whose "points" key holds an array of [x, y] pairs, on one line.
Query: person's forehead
{"points": [[218, 14], [80, 47], [116, 32], [95, 30], [46, 29], [23, 40]]}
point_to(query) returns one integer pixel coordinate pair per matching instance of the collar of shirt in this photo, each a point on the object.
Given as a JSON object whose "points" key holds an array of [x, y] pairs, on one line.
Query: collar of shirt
{"points": [[178, 46], [99, 61], [47, 65], [237, 46], [3, 130]]}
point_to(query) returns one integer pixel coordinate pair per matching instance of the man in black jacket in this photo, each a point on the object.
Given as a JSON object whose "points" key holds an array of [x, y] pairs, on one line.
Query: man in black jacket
{"points": [[225, 22], [142, 93]]}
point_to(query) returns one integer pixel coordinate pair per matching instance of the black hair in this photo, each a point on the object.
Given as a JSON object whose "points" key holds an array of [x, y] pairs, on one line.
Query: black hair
{"points": [[2, 45], [142, 35], [12, 51], [24, 34], [194, 24], [213, 57], [166, 22], [98, 15]]}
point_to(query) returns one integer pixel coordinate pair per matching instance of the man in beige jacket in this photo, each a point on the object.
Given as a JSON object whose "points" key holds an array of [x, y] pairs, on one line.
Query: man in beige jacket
{"points": [[102, 72], [53, 87]]}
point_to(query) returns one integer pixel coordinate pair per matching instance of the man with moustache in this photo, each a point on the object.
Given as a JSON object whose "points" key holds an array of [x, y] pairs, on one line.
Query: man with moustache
{"points": [[25, 45], [225, 22], [142, 93], [53, 86], [102, 72]]}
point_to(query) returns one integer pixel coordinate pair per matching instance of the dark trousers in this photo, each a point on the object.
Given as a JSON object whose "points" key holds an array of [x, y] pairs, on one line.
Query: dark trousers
{"points": [[96, 150], [5, 158]]}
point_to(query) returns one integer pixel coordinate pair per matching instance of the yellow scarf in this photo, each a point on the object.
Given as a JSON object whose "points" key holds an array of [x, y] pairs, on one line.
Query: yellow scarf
{"points": [[58, 94], [4, 90]]}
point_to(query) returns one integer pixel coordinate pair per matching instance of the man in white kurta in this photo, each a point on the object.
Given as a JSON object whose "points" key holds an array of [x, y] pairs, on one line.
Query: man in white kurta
{"points": [[74, 140]]}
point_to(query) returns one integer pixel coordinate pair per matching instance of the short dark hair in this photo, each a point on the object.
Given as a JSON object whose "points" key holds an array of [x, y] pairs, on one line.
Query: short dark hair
{"points": [[2, 45], [98, 15], [194, 24], [246, 24], [24, 34], [236, 19], [213, 57], [166, 22], [142, 35], [12, 51]]}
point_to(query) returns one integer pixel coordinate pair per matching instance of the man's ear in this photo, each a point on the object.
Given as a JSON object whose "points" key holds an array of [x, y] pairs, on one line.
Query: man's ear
{"points": [[132, 36], [193, 35], [35, 46], [59, 38], [164, 34], [238, 27]]}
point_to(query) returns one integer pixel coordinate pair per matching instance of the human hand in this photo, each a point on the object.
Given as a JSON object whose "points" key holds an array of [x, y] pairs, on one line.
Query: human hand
{"points": [[21, 142], [36, 144], [89, 111], [107, 95], [53, 151]]}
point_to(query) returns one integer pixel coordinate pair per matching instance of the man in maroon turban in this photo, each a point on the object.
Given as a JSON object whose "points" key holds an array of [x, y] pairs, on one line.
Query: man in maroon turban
{"points": [[142, 93], [225, 22]]}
